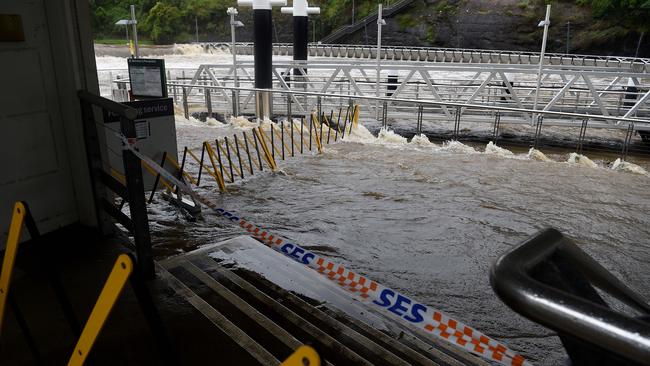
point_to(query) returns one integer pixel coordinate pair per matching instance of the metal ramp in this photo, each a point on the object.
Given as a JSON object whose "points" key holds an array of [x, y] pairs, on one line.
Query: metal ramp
{"points": [[269, 322]]}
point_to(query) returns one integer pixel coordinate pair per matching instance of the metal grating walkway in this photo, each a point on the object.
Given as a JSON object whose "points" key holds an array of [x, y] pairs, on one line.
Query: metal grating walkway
{"points": [[269, 322]]}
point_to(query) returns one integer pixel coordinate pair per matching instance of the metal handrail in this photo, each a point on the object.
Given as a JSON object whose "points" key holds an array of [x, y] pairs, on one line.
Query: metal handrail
{"points": [[109, 105], [563, 311], [418, 102], [461, 51]]}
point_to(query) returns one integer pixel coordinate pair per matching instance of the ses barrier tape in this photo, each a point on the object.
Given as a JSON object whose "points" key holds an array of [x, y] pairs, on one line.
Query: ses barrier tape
{"points": [[392, 302]]}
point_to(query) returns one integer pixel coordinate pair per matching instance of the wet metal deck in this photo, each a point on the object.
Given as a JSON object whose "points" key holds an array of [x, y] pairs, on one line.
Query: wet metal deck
{"points": [[270, 305]]}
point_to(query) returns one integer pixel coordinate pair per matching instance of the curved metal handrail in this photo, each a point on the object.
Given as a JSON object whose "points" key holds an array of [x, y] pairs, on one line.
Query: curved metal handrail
{"points": [[515, 277]]}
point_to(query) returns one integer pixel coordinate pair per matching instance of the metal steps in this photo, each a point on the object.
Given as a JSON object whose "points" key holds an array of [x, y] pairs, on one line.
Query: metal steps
{"points": [[371, 18], [269, 322]]}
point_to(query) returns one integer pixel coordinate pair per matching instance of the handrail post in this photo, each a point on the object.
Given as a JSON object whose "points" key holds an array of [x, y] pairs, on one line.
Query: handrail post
{"points": [[208, 102], [137, 204], [186, 111]]}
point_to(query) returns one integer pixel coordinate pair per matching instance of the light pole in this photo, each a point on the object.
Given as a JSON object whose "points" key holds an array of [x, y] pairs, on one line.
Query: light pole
{"points": [[544, 23], [127, 23], [134, 23], [196, 28], [263, 52], [380, 22], [234, 24], [568, 36]]}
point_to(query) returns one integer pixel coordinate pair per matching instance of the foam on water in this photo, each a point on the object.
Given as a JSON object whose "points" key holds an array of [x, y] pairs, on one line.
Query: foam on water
{"points": [[457, 147], [579, 159], [624, 166], [266, 123], [193, 121], [241, 123], [213, 122], [188, 49], [492, 149], [422, 141], [360, 134], [386, 136], [537, 155]]}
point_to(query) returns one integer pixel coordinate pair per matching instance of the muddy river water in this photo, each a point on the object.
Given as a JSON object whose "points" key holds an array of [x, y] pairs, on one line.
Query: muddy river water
{"points": [[429, 220]]}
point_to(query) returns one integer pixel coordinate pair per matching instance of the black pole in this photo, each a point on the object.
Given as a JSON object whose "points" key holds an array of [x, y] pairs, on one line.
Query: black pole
{"points": [[300, 42], [263, 48], [198, 180], [137, 204]]}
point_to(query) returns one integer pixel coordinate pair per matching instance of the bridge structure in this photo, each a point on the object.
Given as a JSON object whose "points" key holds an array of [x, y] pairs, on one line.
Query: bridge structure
{"points": [[450, 55], [610, 93], [434, 89]]}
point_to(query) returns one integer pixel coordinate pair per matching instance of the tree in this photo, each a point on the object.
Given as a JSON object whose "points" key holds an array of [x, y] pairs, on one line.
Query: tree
{"points": [[164, 22]]}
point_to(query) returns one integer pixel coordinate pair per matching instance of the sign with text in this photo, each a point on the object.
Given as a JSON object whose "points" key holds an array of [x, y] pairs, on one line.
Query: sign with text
{"points": [[147, 77], [155, 131]]}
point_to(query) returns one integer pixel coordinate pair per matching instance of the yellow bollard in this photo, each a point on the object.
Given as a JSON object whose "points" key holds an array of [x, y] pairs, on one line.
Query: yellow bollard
{"points": [[11, 249], [203, 165], [107, 298], [219, 178], [155, 173], [267, 154], [119, 176], [287, 148], [177, 166], [303, 356], [250, 142], [225, 154], [316, 135], [355, 120]]}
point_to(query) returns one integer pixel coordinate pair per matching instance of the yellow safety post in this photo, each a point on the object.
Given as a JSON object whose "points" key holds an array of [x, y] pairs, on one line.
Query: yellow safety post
{"points": [[217, 173], [177, 166], [266, 135], [267, 154], [119, 176], [338, 120], [279, 138], [203, 165], [300, 133], [303, 356], [155, 173], [251, 142], [223, 151], [355, 120], [211, 155], [317, 136], [11, 249], [107, 298]]}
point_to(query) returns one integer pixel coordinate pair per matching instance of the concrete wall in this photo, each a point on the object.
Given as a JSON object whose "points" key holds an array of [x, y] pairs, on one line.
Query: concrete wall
{"points": [[42, 152]]}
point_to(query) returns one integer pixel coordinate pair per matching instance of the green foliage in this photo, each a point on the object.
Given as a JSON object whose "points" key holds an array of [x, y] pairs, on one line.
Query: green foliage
{"points": [[167, 21], [634, 14], [431, 35], [163, 22]]}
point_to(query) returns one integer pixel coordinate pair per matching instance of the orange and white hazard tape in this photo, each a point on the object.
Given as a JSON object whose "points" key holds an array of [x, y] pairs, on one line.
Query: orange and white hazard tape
{"points": [[393, 303]]}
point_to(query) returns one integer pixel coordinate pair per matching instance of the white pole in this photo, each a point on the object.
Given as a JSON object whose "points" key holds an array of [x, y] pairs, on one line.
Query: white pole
{"points": [[233, 26], [380, 22], [547, 22], [135, 32]]}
